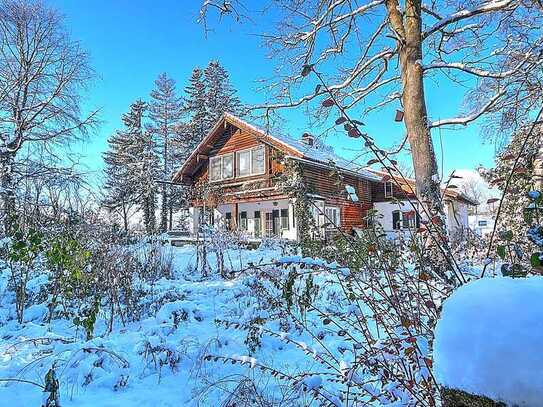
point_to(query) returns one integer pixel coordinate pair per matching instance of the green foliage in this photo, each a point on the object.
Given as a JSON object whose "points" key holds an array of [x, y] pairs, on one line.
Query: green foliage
{"points": [[53, 388], [87, 318], [520, 257], [25, 246]]}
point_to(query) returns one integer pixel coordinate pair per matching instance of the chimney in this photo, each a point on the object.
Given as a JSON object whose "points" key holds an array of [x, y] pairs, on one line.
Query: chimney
{"points": [[308, 139]]}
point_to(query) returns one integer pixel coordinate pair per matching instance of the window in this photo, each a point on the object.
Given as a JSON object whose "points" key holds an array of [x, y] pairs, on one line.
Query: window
{"points": [[251, 162], [332, 216], [228, 166], [243, 220], [284, 219], [215, 168], [244, 163], [482, 223], [276, 223], [221, 167], [257, 157], [405, 220], [396, 220], [269, 224], [258, 224], [228, 220], [389, 189]]}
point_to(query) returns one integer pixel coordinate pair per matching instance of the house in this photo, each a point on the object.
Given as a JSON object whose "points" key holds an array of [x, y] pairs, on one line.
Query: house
{"points": [[394, 201], [482, 223], [236, 173]]}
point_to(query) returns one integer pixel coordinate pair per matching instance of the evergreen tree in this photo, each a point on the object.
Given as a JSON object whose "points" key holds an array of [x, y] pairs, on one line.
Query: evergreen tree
{"points": [[195, 105], [136, 164], [164, 115], [516, 199], [221, 96], [119, 191]]}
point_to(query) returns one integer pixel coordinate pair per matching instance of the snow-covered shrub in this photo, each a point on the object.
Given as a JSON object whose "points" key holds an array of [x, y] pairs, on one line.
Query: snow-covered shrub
{"points": [[363, 318], [488, 340], [21, 255], [156, 261]]}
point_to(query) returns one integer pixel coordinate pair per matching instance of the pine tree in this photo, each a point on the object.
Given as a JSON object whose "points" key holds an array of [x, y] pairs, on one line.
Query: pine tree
{"points": [[164, 114], [120, 193], [195, 105], [140, 163], [221, 96]]}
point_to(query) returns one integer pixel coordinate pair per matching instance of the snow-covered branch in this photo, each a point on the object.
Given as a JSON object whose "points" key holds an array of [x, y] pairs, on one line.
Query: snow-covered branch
{"points": [[464, 121], [488, 7], [476, 71]]}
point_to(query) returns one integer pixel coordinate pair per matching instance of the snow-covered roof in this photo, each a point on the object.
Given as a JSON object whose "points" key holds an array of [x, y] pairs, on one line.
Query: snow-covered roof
{"points": [[323, 153], [316, 153]]}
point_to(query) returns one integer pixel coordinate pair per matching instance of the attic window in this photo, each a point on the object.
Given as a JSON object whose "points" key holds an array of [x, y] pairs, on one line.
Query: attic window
{"points": [[351, 192], [221, 167], [250, 162], [389, 189]]}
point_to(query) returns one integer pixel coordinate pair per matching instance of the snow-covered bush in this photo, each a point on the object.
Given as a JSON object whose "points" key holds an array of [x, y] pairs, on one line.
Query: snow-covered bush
{"points": [[488, 340], [363, 318]]}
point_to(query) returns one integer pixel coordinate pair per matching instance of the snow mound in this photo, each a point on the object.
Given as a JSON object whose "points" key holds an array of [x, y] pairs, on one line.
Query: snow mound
{"points": [[489, 340]]}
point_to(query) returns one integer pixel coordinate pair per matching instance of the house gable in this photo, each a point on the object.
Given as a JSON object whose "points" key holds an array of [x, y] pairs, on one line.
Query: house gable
{"points": [[229, 135]]}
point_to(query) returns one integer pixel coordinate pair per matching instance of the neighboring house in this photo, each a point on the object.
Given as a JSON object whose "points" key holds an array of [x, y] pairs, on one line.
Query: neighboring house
{"points": [[481, 223], [235, 172], [394, 199]]}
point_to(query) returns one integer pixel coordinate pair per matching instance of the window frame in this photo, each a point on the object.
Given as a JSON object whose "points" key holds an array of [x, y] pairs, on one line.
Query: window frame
{"points": [[391, 194], [223, 156], [243, 221], [220, 159], [284, 218], [251, 152], [210, 166], [335, 221]]}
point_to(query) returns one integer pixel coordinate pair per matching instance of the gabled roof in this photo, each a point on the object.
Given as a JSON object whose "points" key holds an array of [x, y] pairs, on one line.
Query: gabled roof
{"points": [[296, 149], [408, 185]]}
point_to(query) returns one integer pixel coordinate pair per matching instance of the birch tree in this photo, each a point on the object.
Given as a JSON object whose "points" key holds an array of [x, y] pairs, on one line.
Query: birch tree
{"points": [[365, 57], [43, 72]]}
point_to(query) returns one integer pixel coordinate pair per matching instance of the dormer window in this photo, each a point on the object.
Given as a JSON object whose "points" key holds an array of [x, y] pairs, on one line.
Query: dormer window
{"points": [[389, 189]]}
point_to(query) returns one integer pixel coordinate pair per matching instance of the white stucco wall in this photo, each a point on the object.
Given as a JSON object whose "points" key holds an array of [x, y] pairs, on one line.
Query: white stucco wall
{"points": [[456, 216], [476, 227], [250, 208], [384, 217]]}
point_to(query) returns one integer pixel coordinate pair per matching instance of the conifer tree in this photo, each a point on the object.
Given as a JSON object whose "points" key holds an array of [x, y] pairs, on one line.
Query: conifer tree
{"points": [[221, 96], [195, 106], [119, 192], [164, 115], [133, 160]]}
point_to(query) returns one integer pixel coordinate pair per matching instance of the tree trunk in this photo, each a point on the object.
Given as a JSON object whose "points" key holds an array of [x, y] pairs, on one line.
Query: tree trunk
{"points": [[164, 207], [414, 104], [7, 193], [125, 217]]}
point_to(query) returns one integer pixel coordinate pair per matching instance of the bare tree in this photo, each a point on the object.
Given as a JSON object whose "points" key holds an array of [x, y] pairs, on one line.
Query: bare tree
{"points": [[378, 54], [42, 75]]}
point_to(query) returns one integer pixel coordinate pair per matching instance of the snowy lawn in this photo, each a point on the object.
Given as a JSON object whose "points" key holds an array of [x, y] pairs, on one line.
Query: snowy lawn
{"points": [[155, 361]]}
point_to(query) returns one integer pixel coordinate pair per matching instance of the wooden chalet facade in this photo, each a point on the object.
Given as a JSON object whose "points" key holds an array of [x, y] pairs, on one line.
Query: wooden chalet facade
{"points": [[236, 173]]}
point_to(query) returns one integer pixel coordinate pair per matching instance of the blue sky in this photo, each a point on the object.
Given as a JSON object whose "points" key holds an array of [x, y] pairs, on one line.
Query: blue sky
{"points": [[132, 42]]}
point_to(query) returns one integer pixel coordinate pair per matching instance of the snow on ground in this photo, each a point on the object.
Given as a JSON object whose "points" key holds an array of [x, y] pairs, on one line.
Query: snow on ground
{"points": [[489, 340], [155, 361]]}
